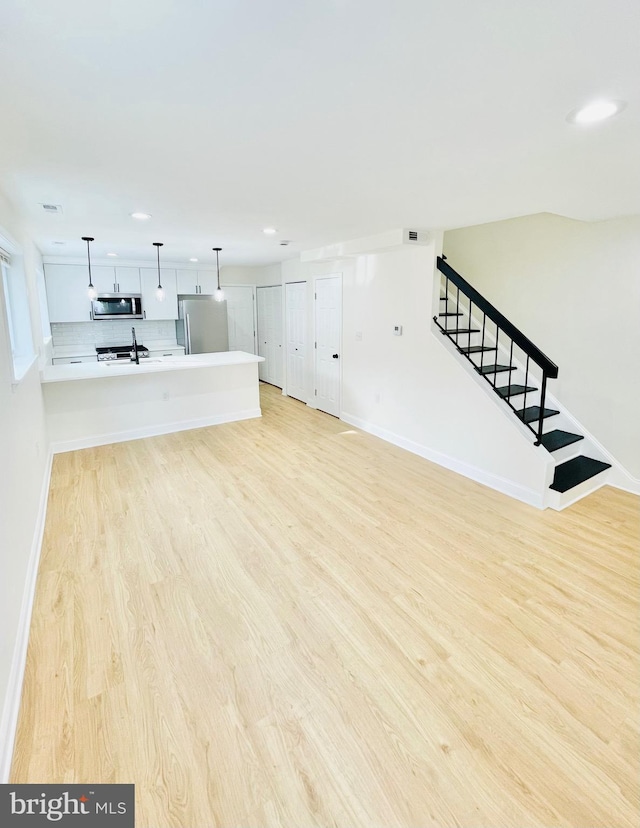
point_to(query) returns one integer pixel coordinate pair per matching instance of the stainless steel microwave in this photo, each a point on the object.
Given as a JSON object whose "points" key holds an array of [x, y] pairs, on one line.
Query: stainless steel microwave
{"points": [[117, 306]]}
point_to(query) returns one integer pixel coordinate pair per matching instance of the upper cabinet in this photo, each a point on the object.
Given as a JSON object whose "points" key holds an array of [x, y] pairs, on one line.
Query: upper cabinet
{"points": [[69, 301], [103, 278], [197, 281], [152, 307], [187, 282], [208, 281], [67, 292], [127, 280]]}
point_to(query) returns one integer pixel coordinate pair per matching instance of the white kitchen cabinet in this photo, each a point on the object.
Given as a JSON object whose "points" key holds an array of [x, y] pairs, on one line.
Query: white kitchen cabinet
{"points": [[127, 280], [67, 296], [116, 279], [187, 282], [152, 307], [167, 352], [192, 282], [103, 278], [73, 360], [208, 281]]}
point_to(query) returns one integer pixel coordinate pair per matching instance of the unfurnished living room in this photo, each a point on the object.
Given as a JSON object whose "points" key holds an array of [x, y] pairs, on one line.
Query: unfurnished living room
{"points": [[319, 329]]}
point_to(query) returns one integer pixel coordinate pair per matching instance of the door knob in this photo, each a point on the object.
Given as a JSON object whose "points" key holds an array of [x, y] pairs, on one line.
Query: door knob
{"points": [[335, 356]]}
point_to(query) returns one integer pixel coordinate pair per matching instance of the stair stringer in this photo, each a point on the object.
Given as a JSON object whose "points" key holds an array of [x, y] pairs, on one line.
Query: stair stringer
{"points": [[538, 456], [617, 475], [589, 446]]}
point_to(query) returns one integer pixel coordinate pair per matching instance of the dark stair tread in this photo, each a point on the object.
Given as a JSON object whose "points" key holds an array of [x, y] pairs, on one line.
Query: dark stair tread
{"points": [[514, 390], [461, 330], [554, 440], [451, 313], [495, 369], [531, 413], [477, 349], [575, 471]]}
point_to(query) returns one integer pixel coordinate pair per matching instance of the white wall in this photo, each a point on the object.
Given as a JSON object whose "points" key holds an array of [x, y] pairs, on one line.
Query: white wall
{"points": [[259, 276], [574, 289], [24, 464], [409, 389]]}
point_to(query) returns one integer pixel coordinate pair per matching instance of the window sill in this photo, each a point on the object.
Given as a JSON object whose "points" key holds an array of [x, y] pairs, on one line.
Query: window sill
{"points": [[21, 367]]}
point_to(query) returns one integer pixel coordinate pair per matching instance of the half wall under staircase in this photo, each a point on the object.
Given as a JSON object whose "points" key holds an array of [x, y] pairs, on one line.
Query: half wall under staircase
{"points": [[517, 372]]}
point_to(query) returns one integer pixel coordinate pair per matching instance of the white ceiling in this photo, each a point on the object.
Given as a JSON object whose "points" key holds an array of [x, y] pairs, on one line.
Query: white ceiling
{"points": [[328, 119]]}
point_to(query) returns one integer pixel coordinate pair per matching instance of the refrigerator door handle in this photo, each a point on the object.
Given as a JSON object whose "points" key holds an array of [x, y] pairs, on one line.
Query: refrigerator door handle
{"points": [[187, 331]]}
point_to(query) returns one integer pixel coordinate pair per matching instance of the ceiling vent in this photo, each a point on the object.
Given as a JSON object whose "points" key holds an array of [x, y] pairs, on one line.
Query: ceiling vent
{"points": [[415, 237], [52, 208], [285, 243]]}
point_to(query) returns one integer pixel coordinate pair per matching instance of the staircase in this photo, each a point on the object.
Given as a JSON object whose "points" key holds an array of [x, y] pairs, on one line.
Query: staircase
{"points": [[517, 371]]}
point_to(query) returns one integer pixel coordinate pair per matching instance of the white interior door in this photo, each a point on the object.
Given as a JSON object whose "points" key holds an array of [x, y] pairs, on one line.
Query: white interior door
{"points": [[241, 317], [328, 319], [270, 333], [296, 338]]}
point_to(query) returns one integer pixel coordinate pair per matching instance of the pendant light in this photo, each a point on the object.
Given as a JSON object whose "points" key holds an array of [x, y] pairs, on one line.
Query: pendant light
{"points": [[91, 291], [159, 289], [219, 294]]}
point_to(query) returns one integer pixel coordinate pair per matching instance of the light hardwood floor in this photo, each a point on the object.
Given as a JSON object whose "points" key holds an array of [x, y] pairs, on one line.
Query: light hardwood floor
{"points": [[286, 622]]}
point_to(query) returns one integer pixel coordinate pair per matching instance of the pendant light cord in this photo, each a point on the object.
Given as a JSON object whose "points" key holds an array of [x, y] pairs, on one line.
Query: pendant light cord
{"points": [[157, 246], [218, 265], [88, 239]]}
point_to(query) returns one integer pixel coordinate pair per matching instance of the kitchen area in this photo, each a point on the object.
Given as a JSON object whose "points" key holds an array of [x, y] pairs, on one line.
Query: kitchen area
{"points": [[141, 350]]}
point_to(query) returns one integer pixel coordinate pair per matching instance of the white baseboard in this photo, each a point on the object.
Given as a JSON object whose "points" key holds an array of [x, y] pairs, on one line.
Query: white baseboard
{"points": [[11, 707], [493, 481], [61, 446]]}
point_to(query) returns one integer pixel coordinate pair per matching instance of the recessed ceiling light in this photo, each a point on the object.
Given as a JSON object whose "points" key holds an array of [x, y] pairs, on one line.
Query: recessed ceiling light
{"points": [[269, 231], [141, 216], [193, 260], [112, 254], [596, 111]]}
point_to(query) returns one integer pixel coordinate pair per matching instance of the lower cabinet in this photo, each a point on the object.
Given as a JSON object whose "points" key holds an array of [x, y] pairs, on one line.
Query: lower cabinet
{"points": [[72, 360], [167, 352]]}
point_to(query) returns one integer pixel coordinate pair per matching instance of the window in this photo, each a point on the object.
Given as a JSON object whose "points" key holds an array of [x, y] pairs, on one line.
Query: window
{"points": [[16, 312]]}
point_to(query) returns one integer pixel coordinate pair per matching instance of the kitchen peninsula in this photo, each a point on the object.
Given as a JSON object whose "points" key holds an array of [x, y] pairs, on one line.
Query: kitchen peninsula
{"points": [[91, 404]]}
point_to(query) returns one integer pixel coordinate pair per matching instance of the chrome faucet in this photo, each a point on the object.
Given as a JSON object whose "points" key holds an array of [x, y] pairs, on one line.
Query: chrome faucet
{"points": [[134, 353]]}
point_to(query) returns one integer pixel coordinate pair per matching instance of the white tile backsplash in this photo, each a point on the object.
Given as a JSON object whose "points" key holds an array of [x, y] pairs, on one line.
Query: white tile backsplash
{"points": [[116, 332]]}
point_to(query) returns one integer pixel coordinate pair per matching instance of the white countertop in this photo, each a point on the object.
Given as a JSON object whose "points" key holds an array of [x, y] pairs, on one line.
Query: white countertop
{"points": [[101, 370]]}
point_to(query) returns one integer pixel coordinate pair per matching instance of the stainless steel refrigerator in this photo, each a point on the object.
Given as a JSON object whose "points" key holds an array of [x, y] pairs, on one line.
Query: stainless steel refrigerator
{"points": [[202, 325]]}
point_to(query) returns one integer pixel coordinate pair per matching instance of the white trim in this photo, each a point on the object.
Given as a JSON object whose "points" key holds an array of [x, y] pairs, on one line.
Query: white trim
{"points": [[11, 708], [493, 481], [61, 446], [560, 500]]}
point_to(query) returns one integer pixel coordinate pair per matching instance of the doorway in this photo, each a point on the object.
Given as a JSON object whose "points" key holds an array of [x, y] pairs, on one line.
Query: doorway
{"points": [[269, 301], [328, 325], [296, 339]]}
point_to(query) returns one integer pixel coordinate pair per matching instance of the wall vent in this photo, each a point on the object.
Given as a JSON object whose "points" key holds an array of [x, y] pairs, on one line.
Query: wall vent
{"points": [[415, 237], [52, 208]]}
